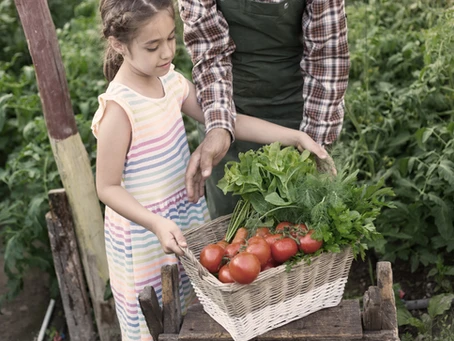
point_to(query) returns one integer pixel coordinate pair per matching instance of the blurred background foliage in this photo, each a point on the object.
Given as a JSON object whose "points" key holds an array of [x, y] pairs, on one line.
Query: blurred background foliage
{"points": [[399, 125]]}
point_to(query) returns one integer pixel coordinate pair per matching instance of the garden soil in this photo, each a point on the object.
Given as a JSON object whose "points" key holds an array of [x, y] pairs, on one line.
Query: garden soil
{"points": [[21, 319]]}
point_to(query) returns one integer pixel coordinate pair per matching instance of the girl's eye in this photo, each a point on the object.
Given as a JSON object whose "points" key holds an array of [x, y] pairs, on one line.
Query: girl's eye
{"points": [[152, 50]]}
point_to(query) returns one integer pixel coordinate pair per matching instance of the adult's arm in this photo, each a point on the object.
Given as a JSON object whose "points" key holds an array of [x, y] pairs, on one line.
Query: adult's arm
{"points": [[325, 66], [206, 35]]}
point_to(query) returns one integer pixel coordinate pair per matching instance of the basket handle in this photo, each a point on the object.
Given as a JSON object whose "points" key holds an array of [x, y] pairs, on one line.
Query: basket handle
{"points": [[203, 272]]}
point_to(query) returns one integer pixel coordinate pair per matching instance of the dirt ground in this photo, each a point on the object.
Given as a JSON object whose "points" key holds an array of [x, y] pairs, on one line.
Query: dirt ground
{"points": [[21, 319]]}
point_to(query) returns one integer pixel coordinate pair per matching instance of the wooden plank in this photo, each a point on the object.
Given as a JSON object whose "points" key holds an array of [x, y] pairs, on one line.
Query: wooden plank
{"points": [[171, 307], [168, 337], [337, 323], [380, 335], [372, 314], [68, 268], [71, 158], [388, 307], [151, 311]]}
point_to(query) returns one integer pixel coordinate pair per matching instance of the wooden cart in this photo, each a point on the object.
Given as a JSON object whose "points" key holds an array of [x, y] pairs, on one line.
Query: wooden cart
{"points": [[376, 321]]}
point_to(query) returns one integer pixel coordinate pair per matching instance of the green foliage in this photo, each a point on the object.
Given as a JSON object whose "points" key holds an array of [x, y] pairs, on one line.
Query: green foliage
{"points": [[284, 185], [433, 325], [399, 121], [27, 167]]}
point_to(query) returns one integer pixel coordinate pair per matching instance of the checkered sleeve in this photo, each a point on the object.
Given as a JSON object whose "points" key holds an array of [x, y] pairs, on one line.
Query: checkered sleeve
{"points": [[325, 66], [206, 35]]}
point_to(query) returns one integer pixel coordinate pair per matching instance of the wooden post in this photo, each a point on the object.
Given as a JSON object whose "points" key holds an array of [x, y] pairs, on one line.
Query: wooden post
{"points": [[71, 280], [151, 311], [385, 284], [171, 305], [71, 157], [379, 315]]}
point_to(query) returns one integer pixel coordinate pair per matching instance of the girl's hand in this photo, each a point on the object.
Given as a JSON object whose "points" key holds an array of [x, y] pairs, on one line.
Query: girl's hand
{"points": [[170, 236], [324, 161]]}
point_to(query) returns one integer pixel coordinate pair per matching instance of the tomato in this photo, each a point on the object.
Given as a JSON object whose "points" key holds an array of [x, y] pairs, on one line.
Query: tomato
{"points": [[283, 226], [223, 243], [273, 237], [240, 235], [283, 249], [255, 240], [271, 263], [232, 249], [211, 257], [244, 267], [309, 245], [224, 274], [261, 249], [262, 232]]}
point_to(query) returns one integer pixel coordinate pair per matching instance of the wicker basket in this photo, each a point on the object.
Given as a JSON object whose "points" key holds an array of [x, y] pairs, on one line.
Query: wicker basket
{"points": [[275, 298]]}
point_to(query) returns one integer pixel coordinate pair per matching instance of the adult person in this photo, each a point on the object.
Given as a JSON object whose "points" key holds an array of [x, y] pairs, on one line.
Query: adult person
{"points": [[285, 61]]}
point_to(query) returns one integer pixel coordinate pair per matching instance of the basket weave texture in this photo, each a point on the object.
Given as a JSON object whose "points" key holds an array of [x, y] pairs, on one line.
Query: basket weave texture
{"points": [[275, 298]]}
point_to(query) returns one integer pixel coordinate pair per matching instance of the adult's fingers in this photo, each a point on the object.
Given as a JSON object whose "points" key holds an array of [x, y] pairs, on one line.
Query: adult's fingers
{"points": [[192, 174]]}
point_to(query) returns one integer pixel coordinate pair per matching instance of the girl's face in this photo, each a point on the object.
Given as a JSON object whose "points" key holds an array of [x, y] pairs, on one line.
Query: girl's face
{"points": [[151, 52]]}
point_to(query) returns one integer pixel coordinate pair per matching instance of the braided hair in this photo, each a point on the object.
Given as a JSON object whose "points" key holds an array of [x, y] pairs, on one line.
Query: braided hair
{"points": [[121, 19]]}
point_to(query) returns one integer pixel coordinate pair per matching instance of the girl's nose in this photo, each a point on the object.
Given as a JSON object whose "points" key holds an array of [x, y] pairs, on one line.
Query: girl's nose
{"points": [[168, 50]]}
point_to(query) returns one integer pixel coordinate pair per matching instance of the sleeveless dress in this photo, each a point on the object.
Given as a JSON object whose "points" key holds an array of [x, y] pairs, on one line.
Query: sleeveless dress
{"points": [[153, 173]]}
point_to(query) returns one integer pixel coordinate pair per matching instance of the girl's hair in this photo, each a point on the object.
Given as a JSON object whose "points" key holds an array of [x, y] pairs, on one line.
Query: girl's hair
{"points": [[121, 19]]}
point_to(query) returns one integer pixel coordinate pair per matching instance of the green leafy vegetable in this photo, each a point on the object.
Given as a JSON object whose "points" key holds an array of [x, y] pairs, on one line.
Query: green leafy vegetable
{"points": [[283, 184]]}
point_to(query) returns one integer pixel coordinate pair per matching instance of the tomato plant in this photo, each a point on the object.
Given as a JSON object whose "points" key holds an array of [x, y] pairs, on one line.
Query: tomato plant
{"points": [[244, 267], [211, 257], [309, 245], [283, 249]]}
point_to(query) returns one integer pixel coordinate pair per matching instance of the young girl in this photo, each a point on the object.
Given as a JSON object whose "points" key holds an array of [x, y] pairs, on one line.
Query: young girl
{"points": [[142, 153]]}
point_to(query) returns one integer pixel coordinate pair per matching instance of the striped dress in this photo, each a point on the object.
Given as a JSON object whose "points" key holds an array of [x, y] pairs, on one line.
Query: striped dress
{"points": [[154, 174]]}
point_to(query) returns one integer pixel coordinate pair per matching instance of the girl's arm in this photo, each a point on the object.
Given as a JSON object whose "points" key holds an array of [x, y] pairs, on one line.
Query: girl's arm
{"points": [[252, 129], [114, 136]]}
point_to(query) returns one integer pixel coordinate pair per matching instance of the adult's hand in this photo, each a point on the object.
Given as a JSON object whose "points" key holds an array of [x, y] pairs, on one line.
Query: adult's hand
{"points": [[207, 155]]}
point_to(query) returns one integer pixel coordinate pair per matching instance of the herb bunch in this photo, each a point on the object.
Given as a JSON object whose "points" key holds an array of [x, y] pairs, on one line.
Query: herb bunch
{"points": [[283, 184]]}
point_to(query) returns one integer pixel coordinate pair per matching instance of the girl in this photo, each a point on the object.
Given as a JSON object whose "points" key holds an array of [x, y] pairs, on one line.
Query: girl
{"points": [[142, 153]]}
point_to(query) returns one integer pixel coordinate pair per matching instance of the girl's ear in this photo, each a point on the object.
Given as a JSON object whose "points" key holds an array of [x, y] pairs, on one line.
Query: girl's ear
{"points": [[116, 45]]}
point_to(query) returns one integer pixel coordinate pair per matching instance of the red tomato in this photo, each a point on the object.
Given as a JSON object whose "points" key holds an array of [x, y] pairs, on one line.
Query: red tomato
{"points": [[255, 240], [262, 231], [309, 245], [232, 249], [223, 243], [283, 226], [261, 249], [244, 267], [271, 263], [240, 235], [211, 257], [273, 237], [224, 274], [283, 249]]}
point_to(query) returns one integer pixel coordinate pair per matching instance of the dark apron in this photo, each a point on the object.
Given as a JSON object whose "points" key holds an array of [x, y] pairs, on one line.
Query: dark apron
{"points": [[267, 79]]}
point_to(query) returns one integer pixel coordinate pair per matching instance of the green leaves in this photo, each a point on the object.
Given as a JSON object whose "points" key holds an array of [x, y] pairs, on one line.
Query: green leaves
{"points": [[283, 185]]}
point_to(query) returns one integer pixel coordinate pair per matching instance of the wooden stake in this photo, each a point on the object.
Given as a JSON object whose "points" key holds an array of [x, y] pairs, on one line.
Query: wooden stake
{"points": [[171, 306], [71, 157], [71, 280]]}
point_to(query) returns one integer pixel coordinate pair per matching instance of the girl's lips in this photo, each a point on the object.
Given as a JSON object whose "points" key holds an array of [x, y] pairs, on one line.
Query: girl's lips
{"points": [[165, 65]]}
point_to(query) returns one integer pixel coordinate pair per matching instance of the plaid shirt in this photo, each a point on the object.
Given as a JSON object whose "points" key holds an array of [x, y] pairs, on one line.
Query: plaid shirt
{"points": [[325, 64]]}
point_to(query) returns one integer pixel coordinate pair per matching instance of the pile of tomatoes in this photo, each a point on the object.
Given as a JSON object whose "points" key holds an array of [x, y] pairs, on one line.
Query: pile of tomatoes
{"points": [[246, 256]]}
